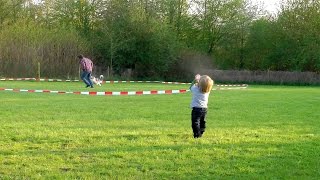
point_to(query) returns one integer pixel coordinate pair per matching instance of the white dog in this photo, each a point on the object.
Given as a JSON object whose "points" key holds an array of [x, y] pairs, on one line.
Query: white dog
{"points": [[97, 81]]}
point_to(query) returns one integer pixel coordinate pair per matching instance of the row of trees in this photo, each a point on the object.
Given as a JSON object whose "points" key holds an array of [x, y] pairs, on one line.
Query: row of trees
{"points": [[156, 38]]}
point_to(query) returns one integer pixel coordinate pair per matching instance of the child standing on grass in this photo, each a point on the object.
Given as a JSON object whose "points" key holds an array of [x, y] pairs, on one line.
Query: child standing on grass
{"points": [[200, 88]]}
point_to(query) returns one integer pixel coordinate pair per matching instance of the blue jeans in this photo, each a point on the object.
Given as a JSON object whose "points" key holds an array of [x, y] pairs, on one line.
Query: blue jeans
{"points": [[198, 121], [85, 76]]}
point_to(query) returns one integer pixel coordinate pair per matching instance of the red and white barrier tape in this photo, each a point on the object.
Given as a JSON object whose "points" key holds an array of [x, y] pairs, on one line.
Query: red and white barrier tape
{"points": [[61, 80], [56, 80], [17, 79], [112, 82], [229, 88], [113, 93], [35, 79], [219, 85], [106, 93], [116, 93]]}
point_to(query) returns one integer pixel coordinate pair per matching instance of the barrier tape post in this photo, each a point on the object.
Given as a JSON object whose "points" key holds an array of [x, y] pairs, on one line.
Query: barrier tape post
{"points": [[39, 75]]}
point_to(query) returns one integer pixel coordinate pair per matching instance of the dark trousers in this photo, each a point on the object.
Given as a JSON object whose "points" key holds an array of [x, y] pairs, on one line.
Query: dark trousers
{"points": [[85, 76], [198, 121]]}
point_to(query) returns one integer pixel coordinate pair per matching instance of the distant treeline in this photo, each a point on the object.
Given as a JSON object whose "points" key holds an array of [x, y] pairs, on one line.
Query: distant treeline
{"points": [[156, 39], [265, 77]]}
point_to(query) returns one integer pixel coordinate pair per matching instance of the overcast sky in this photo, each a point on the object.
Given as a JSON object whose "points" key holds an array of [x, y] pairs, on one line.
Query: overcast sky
{"points": [[270, 5]]}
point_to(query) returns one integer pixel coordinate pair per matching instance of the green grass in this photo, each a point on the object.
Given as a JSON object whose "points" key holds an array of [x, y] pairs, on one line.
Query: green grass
{"points": [[263, 132]]}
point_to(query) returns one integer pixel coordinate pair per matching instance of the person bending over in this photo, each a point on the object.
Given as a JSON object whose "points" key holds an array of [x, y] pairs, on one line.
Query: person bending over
{"points": [[86, 66]]}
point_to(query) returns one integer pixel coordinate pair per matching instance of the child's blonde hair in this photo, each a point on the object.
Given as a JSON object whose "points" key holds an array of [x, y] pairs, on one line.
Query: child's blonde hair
{"points": [[205, 84]]}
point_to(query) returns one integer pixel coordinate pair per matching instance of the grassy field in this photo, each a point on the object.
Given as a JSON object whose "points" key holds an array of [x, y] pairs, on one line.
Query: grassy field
{"points": [[263, 132]]}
